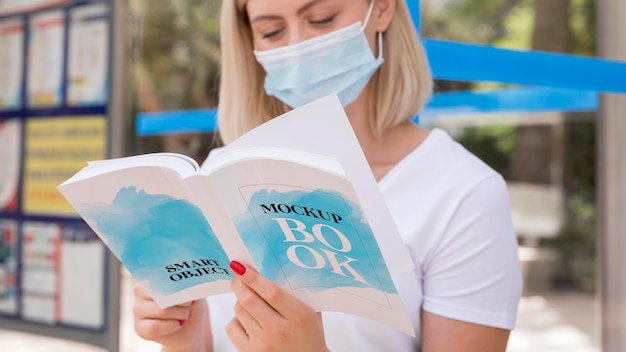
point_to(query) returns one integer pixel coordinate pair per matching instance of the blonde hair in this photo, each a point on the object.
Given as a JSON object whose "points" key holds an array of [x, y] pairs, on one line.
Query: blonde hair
{"points": [[401, 86]]}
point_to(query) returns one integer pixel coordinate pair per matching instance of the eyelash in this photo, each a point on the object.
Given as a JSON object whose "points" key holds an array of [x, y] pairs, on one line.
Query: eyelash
{"points": [[272, 34], [322, 22]]}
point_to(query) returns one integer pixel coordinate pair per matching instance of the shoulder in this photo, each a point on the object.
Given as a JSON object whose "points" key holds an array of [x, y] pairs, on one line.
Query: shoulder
{"points": [[448, 156], [468, 248], [441, 166]]}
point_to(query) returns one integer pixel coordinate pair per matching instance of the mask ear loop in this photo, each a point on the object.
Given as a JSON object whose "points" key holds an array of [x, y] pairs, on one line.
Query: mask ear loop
{"points": [[369, 14], [378, 34]]}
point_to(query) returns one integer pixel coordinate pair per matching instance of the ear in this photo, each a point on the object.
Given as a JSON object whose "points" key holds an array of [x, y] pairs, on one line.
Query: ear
{"points": [[384, 11]]}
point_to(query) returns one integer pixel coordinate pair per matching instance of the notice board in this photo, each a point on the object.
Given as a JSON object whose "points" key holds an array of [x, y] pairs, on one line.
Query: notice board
{"points": [[56, 277]]}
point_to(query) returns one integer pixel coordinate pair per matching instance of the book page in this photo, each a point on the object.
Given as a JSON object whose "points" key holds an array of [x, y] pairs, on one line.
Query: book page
{"points": [[181, 165], [231, 156], [306, 231]]}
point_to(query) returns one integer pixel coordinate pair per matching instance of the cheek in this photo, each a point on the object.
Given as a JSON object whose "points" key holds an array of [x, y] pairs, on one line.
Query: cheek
{"points": [[256, 44], [262, 45], [372, 39]]}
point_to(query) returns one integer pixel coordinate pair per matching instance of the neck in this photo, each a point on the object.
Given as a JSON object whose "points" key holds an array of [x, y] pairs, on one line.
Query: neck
{"points": [[359, 116], [385, 151]]}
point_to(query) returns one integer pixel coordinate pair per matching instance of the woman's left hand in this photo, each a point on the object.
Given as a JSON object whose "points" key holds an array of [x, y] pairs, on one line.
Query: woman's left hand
{"points": [[268, 318]]}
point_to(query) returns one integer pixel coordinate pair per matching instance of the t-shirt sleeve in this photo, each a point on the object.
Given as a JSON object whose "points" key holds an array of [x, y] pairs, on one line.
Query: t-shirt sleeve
{"points": [[473, 274]]}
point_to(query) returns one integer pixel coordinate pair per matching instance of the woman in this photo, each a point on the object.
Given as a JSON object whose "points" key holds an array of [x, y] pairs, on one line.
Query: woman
{"points": [[451, 209]]}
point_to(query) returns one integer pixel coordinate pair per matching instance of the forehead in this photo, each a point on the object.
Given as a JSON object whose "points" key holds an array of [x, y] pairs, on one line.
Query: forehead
{"points": [[255, 6]]}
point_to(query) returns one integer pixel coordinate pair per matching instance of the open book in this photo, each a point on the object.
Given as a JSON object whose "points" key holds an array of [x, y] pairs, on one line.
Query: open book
{"points": [[293, 198]]}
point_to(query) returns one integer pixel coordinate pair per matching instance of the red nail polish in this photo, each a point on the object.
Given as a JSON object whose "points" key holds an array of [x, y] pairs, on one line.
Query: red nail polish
{"points": [[238, 268], [181, 322]]}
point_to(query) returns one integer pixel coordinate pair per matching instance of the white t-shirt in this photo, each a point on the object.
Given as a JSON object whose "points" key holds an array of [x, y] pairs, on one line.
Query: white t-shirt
{"points": [[452, 211]]}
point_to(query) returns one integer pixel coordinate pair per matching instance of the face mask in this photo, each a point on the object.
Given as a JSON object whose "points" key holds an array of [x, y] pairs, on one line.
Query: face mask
{"points": [[339, 62]]}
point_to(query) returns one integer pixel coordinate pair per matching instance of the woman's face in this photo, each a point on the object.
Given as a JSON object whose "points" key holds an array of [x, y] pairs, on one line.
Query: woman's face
{"points": [[277, 23]]}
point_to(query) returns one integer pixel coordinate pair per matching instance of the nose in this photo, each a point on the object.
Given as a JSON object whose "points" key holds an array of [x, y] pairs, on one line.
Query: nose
{"points": [[297, 34]]}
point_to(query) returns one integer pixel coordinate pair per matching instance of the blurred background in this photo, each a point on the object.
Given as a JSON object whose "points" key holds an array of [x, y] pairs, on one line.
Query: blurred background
{"points": [[168, 52]]}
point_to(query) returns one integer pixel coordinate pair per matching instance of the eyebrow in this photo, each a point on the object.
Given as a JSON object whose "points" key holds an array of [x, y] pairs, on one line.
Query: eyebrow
{"points": [[300, 11], [306, 7]]}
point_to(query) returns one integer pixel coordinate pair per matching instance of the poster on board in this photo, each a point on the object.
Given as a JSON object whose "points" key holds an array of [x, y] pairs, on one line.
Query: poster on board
{"points": [[88, 55], [83, 256], [56, 148], [54, 255], [10, 159], [41, 249], [8, 266], [45, 59], [11, 63]]}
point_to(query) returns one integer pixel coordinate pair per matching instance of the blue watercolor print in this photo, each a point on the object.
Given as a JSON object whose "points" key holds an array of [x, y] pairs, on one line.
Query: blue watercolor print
{"points": [[319, 260], [149, 232]]}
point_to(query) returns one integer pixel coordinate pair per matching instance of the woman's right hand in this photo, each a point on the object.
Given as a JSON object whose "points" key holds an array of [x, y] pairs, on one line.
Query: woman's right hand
{"points": [[184, 327]]}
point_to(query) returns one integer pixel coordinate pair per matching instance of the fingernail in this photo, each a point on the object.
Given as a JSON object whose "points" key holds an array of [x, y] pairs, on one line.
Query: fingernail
{"points": [[181, 322], [238, 268]]}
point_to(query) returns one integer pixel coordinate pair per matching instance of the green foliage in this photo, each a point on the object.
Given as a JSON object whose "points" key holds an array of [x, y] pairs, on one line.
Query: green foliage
{"points": [[577, 241], [475, 21], [583, 26], [493, 145], [519, 24], [577, 244], [178, 52]]}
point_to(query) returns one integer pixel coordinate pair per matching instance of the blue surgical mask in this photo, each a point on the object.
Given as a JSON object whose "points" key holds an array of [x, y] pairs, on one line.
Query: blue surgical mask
{"points": [[339, 62]]}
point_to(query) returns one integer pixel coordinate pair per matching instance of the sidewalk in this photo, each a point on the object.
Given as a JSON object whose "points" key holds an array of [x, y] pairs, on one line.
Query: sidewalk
{"points": [[547, 322], [555, 322]]}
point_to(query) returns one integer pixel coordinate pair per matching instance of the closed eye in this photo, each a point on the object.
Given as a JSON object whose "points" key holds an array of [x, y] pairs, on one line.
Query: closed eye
{"points": [[323, 21], [272, 34]]}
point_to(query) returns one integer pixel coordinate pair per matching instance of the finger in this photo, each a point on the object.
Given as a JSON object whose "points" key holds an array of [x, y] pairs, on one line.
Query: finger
{"points": [[278, 299], [150, 329], [144, 309], [251, 308], [237, 334], [235, 330], [247, 321], [141, 293]]}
